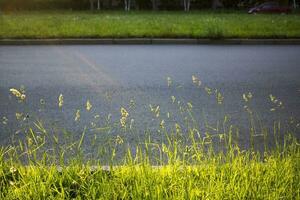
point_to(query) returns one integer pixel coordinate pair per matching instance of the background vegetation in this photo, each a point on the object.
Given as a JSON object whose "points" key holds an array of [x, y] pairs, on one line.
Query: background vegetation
{"points": [[162, 24], [118, 4]]}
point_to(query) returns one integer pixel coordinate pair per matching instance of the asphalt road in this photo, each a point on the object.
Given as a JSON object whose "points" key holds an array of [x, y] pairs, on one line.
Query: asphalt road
{"points": [[134, 76]]}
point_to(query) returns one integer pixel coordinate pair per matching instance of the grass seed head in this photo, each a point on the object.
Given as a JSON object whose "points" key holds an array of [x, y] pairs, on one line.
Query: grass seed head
{"points": [[16, 92], [169, 81], [88, 105], [60, 100], [77, 115]]}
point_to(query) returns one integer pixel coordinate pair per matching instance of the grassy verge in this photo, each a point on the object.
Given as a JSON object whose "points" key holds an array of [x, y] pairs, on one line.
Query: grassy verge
{"points": [[187, 162], [107, 24], [243, 176]]}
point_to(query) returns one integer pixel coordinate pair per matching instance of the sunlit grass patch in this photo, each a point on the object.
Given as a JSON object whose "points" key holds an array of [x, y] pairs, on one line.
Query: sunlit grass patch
{"points": [[162, 24], [176, 159], [244, 176]]}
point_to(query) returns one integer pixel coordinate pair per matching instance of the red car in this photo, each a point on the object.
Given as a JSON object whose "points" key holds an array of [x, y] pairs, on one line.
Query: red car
{"points": [[269, 7]]}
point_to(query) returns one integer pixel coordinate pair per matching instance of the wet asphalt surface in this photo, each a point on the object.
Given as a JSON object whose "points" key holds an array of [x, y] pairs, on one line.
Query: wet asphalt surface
{"points": [[134, 76]]}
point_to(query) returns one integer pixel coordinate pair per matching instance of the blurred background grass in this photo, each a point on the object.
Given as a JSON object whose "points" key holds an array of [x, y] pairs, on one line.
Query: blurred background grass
{"points": [[138, 24]]}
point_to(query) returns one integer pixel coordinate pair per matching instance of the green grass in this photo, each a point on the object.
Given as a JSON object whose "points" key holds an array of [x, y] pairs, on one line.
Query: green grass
{"points": [[235, 174], [162, 24], [40, 163], [242, 176]]}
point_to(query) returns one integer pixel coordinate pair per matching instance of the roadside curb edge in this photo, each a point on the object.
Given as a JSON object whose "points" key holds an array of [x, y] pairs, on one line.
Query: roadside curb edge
{"points": [[91, 41]]}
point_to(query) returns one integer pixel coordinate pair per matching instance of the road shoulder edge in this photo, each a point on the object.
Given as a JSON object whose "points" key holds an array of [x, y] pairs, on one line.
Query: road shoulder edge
{"points": [[91, 41]]}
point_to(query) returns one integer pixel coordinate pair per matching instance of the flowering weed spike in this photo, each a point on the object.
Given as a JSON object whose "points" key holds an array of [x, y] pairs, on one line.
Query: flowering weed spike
{"points": [[60, 100], [169, 81], [190, 105], [196, 81], [124, 115], [272, 98], [208, 90], [173, 99], [16, 92], [4, 120], [19, 115], [245, 98], [162, 124], [124, 112], [88, 105], [19, 94], [77, 115], [220, 98]]}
